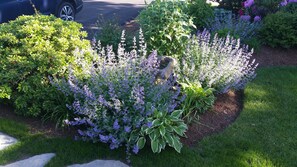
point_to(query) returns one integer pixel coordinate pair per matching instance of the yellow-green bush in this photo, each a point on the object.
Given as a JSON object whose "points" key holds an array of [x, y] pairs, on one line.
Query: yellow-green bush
{"points": [[32, 48]]}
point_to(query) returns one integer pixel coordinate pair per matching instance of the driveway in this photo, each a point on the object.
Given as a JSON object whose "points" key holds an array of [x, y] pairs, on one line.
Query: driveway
{"points": [[125, 10]]}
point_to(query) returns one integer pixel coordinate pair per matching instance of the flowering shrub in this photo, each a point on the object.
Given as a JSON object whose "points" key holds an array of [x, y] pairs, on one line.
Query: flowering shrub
{"points": [[120, 104], [219, 63], [166, 26], [31, 49], [240, 28]]}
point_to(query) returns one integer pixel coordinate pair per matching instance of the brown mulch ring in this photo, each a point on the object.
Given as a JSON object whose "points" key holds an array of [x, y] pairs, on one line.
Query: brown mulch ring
{"points": [[225, 111], [268, 56]]}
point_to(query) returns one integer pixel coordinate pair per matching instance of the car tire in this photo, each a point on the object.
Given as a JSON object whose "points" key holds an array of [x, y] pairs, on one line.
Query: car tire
{"points": [[66, 11]]}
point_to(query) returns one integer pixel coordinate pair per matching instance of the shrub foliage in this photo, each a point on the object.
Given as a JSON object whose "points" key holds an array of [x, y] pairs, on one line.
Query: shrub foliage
{"points": [[166, 26], [279, 29], [33, 48], [201, 13]]}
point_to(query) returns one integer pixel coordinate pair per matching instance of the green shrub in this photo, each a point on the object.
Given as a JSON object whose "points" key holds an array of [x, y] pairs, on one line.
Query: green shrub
{"points": [[166, 26], [32, 49], [201, 12], [289, 8], [110, 32], [279, 29]]}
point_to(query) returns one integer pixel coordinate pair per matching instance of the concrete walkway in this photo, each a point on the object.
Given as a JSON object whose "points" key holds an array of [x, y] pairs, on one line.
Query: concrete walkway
{"points": [[43, 159], [6, 141]]}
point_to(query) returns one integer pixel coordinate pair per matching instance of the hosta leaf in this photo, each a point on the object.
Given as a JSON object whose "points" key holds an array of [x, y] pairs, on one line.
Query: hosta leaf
{"points": [[178, 130], [176, 113], [157, 122], [154, 146], [169, 139], [162, 130], [141, 142], [177, 145]]}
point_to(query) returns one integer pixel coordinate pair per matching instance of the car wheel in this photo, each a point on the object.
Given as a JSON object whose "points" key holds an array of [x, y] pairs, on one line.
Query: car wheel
{"points": [[66, 11]]}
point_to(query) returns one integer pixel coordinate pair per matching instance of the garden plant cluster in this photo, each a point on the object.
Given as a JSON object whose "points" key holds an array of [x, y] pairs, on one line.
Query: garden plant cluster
{"points": [[112, 94]]}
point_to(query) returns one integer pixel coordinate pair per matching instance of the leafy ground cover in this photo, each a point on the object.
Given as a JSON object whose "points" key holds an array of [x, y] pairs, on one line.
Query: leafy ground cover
{"points": [[264, 134]]}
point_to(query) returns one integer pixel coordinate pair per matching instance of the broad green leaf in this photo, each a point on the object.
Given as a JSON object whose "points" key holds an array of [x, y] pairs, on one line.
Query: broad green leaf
{"points": [[141, 142], [169, 139], [156, 123], [162, 130], [154, 146], [177, 113], [177, 145]]}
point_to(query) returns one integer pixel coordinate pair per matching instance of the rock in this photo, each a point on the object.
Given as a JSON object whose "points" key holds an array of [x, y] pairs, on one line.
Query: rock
{"points": [[101, 163], [6, 141], [35, 161], [167, 65]]}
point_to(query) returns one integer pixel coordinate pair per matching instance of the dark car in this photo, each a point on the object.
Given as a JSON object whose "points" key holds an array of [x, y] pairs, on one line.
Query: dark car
{"points": [[65, 9]]}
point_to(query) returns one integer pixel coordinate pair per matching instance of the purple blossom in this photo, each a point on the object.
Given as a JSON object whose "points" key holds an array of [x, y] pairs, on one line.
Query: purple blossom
{"points": [[291, 1], [245, 17], [149, 124], [116, 125], [103, 138], [257, 18], [127, 129], [284, 3], [135, 149], [248, 3]]}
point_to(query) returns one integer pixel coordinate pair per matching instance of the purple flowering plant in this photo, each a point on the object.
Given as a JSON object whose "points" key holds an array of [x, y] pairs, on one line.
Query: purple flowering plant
{"points": [[240, 27], [117, 104], [219, 63]]}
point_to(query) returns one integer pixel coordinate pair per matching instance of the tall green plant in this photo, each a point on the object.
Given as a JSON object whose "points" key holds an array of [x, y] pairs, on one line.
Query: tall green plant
{"points": [[201, 12], [166, 26]]}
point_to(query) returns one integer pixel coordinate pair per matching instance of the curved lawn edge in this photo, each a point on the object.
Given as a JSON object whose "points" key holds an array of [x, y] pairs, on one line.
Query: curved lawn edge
{"points": [[264, 134]]}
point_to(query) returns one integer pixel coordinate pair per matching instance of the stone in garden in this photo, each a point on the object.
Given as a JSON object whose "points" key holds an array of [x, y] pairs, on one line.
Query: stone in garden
{"points": [[101, 163], [6, 141], [167, 65], [35, 161]]}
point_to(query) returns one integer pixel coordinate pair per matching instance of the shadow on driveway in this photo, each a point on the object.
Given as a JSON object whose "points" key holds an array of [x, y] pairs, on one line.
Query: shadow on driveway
{"points": [[126, 10]]}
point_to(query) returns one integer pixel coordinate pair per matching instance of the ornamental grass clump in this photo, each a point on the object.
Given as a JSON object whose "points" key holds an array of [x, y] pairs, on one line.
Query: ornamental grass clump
{"points": [[121, 103], [219, 63]]}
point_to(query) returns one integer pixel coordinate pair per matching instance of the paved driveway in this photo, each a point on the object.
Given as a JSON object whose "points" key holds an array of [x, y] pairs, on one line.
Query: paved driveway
{"points": [[124, 9]]}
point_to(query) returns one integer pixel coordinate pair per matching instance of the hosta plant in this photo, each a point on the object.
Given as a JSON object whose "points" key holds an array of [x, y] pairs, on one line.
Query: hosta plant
{"points": [[219, 63], [165, 130]]}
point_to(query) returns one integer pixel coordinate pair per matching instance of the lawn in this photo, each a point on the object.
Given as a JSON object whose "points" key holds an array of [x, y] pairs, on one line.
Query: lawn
{"points": [[263, 135]]}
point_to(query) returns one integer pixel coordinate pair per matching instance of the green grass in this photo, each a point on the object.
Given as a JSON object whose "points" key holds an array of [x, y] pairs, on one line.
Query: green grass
{"points": [[265, 134]]}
